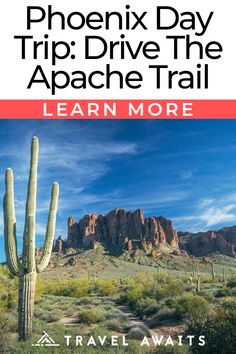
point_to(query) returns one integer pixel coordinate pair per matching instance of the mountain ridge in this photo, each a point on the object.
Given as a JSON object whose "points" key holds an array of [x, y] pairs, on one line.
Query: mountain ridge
{"points": [[133, 232], [125, 230]]}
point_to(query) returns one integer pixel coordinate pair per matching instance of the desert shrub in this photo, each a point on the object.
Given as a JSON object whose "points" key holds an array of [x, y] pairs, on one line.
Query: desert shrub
{"points": [[231, 283], [70, 312], [207, 296], [170, 302], [105, 287], [48, 316], [108, 307], [13, 321], [116, 325], [85, 300], [128, 281], [146, 306], [223, 292], [118, 315], [38, 313], [142, 278], [71, 288], [52, 316], [8, 289], [171, 290], [229, 305], [206, 278], [38, 325], [192, 306], [219, 331], [133, 295], [233, 291], [172, 350], [144, 298], [167, 314], [163, 278], [150, 308], [90, 316], [4, 332], [138, 332]]}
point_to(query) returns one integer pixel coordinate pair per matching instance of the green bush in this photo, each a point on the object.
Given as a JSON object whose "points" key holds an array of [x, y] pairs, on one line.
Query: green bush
{"points": [[71, 288], [163, 278], [138, 332], [229, 305], [223, 292], [171, 290], [90, 316], [132, 295], [48, 316], [116, 325], [145, 298], [219, 332], [167, 315], [146, 306], [39, 325], [192, 306], [172, 350], [8, 289], [207, 296], [105, 287], [231, 283], [4, 332]]}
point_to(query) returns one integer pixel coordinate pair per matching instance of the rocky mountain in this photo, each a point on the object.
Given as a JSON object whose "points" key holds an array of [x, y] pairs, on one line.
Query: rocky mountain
{"points": [[204, 243], [133, 232], [120, 229]]}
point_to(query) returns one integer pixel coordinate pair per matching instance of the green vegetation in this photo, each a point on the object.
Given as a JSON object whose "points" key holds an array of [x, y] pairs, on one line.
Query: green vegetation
{"points": [[138, 332], [218, 329], [91, 316], [159, 302], [192, 306], [105, 287], [71, 288]]}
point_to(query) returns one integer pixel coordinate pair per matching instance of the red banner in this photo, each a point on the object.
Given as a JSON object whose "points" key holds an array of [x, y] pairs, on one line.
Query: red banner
{"points": [[117, 109]]}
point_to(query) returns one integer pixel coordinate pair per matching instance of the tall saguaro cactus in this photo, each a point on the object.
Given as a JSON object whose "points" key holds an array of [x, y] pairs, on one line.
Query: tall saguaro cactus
{"points": [[27, 269]]}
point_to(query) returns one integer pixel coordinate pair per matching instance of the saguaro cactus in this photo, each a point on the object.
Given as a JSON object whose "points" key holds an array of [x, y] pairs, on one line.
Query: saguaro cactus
{"points": [[198, 288], [193, 273], [213, 271], [27, 269]]}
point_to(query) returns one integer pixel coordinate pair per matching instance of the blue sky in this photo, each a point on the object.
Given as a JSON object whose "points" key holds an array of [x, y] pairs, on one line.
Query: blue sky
{"points": [[184, 170]]}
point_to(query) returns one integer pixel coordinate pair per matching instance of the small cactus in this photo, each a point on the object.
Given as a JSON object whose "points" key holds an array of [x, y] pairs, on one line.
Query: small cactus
{"points": [[213, 271], [193, 273], [198, 288], [27, 269]]}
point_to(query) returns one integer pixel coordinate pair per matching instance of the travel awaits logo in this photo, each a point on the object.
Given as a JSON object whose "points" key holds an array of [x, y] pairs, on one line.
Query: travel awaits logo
{"points": [[46, 341]]}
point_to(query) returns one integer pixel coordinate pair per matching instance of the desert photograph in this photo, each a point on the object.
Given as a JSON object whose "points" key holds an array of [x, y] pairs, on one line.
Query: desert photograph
{"points": [[117, 237]]}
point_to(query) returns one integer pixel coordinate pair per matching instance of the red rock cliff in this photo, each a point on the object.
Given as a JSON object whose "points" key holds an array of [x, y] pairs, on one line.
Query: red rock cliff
{"points": [[119, 227]]}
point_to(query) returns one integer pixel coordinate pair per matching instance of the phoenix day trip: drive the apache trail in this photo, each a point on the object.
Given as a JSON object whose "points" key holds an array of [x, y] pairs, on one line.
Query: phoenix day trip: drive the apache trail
{"points": [[188, 46]]}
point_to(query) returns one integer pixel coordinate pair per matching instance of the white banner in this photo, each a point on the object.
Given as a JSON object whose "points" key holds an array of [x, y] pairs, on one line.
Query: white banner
{"points": [[117, 50]]}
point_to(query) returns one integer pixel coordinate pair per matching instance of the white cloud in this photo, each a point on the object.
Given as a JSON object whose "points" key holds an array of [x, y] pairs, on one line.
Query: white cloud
{"points": [[216, 215], [206, 202]]}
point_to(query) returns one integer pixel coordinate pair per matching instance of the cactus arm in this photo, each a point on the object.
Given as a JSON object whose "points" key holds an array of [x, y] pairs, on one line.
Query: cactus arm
{"points": [[29, 235], [48, 243], [10, 225]]}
